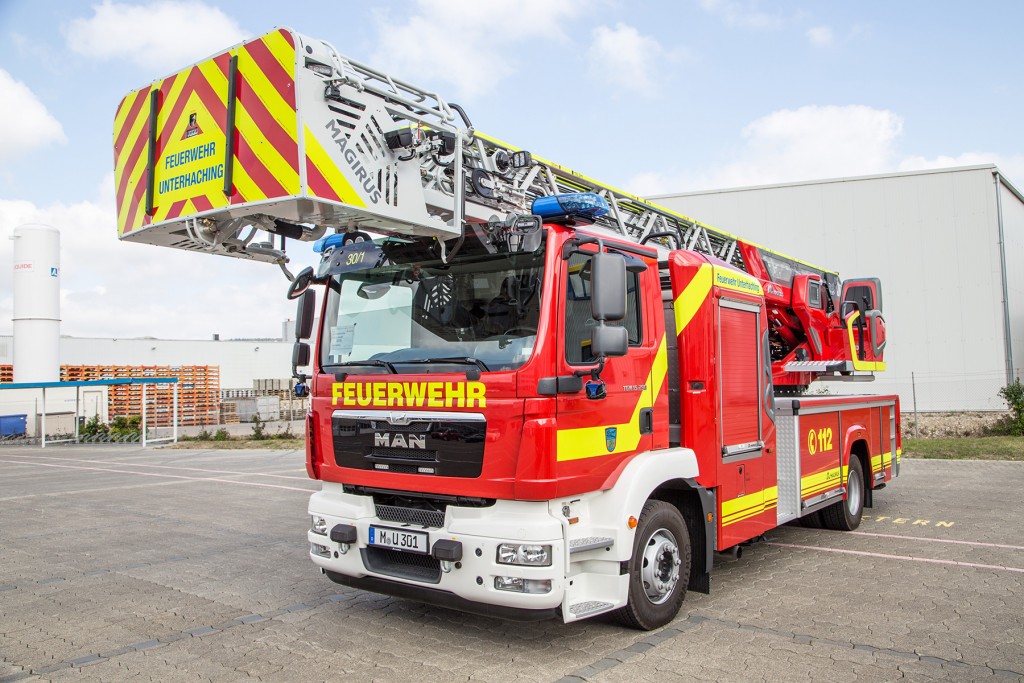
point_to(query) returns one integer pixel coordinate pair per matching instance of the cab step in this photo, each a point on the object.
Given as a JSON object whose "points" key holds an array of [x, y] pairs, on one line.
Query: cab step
{"points": [[582, 545], [585, 609]]}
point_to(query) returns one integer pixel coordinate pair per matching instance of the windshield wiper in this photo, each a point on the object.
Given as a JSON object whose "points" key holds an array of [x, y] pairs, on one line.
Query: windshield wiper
{"points": [[460, 360], [356, 363]]}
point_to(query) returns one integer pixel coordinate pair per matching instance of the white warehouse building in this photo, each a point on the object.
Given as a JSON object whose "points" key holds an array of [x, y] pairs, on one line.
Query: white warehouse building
{"points": [[948, 246]]}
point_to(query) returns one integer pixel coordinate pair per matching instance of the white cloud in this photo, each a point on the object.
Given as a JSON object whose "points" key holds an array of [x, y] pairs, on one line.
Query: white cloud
{"points": [[743, 14], [625, 59], [808, 143], [112, 288], [820, 36], [468, 44], [167, 34], [814, 143], [25, 122]]}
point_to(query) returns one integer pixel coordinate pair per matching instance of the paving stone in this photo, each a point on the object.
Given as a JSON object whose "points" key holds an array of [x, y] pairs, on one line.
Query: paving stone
{"points": [[198, 581]]}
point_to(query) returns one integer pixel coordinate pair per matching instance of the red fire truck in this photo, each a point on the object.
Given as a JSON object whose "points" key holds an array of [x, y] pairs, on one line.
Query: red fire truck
{"points": [[531, 394]]}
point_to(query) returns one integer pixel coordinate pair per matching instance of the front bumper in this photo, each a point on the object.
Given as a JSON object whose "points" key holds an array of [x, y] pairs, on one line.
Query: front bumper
{"points": [[469, 582]]}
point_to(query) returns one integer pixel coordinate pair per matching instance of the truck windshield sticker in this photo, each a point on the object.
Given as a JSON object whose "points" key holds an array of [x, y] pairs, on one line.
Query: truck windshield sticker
{"points": [[342, 340]]}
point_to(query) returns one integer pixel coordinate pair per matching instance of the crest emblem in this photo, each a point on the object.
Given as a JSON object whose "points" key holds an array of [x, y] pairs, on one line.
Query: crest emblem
{"points": [[192, 129], [609, 438]]}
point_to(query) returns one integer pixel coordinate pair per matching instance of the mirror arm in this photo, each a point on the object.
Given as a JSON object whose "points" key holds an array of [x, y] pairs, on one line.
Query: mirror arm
{"points": [[594, 371]]}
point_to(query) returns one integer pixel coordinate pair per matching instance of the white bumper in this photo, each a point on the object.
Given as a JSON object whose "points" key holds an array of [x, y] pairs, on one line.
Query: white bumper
{"points": [[480, 530]]}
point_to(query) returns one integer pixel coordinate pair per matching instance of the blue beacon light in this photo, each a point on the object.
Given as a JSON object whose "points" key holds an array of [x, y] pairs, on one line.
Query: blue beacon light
{"points": [[325, 243], [585, 205]]}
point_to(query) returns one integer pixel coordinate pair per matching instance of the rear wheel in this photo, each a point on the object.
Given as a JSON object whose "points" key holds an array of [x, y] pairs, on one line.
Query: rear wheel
{"points": [[811, 521], [845, 515], [660, 568]]}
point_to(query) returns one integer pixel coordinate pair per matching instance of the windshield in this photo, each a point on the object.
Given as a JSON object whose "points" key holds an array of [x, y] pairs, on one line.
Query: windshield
{"points": [[480, 311]]}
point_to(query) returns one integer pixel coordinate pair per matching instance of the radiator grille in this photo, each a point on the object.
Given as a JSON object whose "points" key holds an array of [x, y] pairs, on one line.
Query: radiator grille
{"points": [[403, 454], [426, 518], [402, 565]]}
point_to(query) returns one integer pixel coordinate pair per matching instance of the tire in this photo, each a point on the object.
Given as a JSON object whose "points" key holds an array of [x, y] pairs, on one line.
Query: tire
{"points": [[844, 515], [811, 521], [659, 570]]}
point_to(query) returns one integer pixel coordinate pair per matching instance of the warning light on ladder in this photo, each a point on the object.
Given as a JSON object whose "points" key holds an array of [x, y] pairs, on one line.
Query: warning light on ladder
{"points": [[578, 204]]}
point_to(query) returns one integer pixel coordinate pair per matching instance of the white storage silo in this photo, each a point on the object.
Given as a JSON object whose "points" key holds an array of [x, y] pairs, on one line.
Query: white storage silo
{"points": [[36, 304]]}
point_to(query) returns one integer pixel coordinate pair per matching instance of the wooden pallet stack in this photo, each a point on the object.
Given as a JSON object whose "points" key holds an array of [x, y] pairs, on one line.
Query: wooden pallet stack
{"points": [[198, 391], [292, 407], [6, 374], [228, 413]]}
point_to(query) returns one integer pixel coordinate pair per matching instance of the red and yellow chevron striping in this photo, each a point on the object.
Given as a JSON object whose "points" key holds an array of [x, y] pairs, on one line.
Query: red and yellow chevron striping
{"points": [[188, 165]]}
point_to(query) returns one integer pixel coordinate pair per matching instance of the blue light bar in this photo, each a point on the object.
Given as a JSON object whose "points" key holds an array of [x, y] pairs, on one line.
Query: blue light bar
{"points": [[583, 204], [330, 242]]}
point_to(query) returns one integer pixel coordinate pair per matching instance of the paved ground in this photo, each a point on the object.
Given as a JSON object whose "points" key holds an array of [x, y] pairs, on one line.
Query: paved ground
{"points": [[170, 565]]}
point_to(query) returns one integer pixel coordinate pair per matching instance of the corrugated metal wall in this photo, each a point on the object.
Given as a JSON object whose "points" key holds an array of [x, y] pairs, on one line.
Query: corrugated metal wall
{"points": [[1013, 234], [932, 238]]}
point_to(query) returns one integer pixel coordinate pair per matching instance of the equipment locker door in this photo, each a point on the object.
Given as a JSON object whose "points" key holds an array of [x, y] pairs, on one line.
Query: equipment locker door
{"points": [[740, 429]]}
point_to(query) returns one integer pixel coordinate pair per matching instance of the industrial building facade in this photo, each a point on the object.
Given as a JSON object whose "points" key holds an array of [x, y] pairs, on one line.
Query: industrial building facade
{"points": [[948, 246]]}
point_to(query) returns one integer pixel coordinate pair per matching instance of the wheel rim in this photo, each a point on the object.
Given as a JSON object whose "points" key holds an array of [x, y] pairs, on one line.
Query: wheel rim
{"points": [[660, 568], [853, 488]]}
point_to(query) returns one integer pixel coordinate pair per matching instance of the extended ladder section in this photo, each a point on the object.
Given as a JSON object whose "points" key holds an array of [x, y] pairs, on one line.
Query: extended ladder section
{"points": [[281, 137]]}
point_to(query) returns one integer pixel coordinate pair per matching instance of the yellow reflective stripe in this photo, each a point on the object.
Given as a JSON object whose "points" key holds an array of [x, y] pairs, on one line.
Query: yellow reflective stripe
{"points": [[268, 94], [590, 442], [265, 152], [282, 51], [245, 184], [329, 170], [822, 481], [880, 462], [750, 505], [690, 299], [141, 119], [121, 116]]}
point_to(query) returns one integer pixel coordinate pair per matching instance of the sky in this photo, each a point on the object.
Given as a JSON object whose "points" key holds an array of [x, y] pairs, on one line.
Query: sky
{"points": [[651, 96]]}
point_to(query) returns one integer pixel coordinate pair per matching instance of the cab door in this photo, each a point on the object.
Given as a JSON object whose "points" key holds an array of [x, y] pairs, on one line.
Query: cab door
{"points": [[863, 296], [596, 434]]}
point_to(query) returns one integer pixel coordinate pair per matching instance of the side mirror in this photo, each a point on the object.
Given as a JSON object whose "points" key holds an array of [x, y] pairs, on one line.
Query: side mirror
{"points": [[607, 341], [304, 315], [300, 355], [300, 359], [608, 287], [301, 283]]}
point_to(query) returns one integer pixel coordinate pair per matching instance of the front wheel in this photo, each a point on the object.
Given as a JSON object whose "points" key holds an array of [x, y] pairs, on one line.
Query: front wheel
{"points": [[845, 515], [660, 568]]}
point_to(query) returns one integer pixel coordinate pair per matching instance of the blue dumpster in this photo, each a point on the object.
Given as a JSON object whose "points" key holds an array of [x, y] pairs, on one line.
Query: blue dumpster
{"points": [[13, 425]]}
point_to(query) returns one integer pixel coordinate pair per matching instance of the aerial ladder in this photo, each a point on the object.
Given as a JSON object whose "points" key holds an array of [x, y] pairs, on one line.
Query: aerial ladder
{"points": [[283, 138]]}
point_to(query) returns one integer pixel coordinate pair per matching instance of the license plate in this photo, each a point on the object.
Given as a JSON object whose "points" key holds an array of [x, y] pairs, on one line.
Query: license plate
{"points": [[399, 539]]}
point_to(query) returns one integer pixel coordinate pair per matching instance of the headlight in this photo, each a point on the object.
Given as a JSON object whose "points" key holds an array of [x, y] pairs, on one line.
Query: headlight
{"points": [[528, 554], [321, 550], [319, 525], [514, 584]]}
